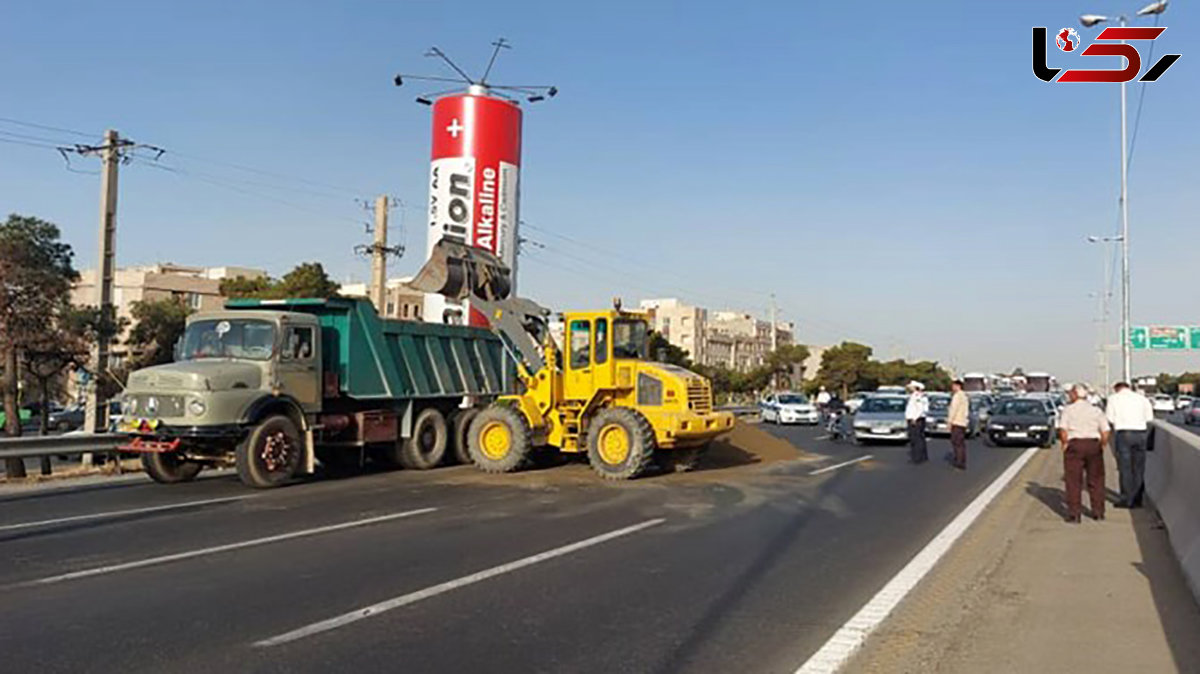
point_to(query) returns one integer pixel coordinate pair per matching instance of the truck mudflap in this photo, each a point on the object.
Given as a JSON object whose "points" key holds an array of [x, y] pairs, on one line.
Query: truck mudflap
{"points": [[150, 446]]}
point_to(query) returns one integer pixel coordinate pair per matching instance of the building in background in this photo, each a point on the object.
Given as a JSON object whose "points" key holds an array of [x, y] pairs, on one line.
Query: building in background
{"points": [[682, 325], [198, 287], [733, 339], [401, 301]]}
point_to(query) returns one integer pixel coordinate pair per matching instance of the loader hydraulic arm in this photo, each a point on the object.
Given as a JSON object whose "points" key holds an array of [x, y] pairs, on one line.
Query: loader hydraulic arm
{"points": [[461, 272]]}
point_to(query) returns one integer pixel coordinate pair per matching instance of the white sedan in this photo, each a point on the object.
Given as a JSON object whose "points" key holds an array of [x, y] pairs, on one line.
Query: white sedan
{"points": [[789, 408], [1163, 403]]}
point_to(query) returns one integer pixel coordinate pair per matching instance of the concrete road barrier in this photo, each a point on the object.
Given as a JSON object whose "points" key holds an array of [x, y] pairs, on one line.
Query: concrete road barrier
{"points": [[1173, 483]]}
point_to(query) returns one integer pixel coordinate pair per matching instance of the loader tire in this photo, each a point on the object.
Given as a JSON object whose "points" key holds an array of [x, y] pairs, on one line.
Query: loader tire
{"points": [[460, 444], [499, 439], [170, 468], [426, 447], [620, 443], [271, 454]]}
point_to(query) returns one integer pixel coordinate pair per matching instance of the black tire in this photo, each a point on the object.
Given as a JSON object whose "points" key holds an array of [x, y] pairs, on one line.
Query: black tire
{"points": [[64, 427], [460, 424], [631, 430], [271, 454], [169, 468], [490, 427], [426, 447]]}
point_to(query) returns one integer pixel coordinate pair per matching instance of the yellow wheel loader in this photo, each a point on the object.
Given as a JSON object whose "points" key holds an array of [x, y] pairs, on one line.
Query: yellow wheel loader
{"points": [[599, 393]]}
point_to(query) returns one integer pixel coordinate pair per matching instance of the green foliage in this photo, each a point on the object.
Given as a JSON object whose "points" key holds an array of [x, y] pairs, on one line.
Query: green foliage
{"points": [[666, 352], [157, 326], [780, 366], [305, 280], [1169, 383], [848, 367]]}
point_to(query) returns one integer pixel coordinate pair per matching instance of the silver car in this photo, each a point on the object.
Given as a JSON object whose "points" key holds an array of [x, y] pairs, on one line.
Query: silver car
{"points": [[881, 417]]}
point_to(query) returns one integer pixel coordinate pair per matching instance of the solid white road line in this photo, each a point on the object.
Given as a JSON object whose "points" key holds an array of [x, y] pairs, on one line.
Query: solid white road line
{"points": [[850, 637], [843, 464], [119, 513], [440, 588], [153, 561]]}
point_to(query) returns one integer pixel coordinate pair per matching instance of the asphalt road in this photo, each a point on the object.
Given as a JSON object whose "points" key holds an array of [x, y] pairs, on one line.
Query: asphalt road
{"points": [[751, 573]]}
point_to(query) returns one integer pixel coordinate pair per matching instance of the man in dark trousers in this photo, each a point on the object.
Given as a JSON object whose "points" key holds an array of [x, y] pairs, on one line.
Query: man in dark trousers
{"points": [[959, 416], [1083, 430], [914, 416], [1129, 414]]}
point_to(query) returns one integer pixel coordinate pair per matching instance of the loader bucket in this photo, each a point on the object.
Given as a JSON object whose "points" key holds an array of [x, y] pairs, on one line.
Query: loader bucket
{"points": [[459, 271]]}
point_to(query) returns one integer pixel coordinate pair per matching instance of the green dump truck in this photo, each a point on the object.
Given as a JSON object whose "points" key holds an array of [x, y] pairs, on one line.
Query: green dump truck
{"points": [[276, 386]]}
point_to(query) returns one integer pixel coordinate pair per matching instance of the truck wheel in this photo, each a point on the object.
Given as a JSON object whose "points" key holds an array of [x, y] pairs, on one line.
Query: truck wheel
{"points": [[271, 454], [499, 440], [460, 444], [167, 468], [426, 447], [620, 443]]}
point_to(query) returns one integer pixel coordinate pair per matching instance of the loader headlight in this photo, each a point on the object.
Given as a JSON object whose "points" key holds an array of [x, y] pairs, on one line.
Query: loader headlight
{"points": [[196, 407]]}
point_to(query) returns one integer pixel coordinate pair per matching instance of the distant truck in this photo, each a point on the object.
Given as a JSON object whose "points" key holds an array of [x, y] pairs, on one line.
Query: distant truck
{"points": [[276, 385]]}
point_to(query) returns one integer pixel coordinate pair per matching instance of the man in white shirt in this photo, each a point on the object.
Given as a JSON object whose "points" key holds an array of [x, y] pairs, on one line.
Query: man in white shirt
{"points": [[914, 415], [823, 398], [1129, 414]]}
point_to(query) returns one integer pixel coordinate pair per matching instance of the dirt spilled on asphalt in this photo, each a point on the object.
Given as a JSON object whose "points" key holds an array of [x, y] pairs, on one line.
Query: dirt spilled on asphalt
{"points": [[739, 453]]}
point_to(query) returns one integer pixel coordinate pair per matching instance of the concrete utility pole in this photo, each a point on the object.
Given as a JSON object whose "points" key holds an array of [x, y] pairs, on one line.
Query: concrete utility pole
{"points": [[378, 255], [110, 154], [774, 322]]}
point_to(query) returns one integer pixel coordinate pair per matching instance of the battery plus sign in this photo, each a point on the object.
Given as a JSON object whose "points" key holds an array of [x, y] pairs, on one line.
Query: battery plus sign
{"points": [[454, 128]]}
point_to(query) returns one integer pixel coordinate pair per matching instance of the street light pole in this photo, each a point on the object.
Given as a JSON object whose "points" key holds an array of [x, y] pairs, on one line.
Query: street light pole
{"points": [[1126, 350], [1102, 342]]}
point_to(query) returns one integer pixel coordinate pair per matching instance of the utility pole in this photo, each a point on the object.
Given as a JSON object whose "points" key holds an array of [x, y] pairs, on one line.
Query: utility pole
{"points": [[774, 322], [379, 255], [1126, 348], [110, 157]]}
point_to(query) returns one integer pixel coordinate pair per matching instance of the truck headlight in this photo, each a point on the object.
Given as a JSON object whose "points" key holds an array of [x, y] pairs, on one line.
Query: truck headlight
{"points": [[196, 407]]}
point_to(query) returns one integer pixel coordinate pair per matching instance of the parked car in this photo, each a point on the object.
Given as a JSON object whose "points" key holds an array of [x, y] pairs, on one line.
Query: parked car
{"points": [[1183, 402], [68, 418], [789, 408], [881, 417], [1162, 403], [1022, 421], [936, 420]]}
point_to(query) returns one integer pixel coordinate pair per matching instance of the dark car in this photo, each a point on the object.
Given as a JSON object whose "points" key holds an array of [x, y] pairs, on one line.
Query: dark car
{"points": [[67, 419], [937, 419], [1027, 421]]}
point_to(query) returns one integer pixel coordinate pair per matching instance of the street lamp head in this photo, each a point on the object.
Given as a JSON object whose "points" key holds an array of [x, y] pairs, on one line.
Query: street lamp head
{"points": [[1153, 8], [1093, 239], [1089, 20]]}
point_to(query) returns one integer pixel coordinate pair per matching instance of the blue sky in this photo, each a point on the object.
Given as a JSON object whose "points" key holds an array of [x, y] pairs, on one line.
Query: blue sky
{"points": [[894, 173]]}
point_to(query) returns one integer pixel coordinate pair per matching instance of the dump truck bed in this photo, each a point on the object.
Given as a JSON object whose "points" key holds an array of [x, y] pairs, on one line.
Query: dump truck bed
{"points": [[377, 358]]}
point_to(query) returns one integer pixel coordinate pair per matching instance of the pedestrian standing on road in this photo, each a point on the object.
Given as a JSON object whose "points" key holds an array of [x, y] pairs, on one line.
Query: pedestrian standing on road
{"points": [[914, 416], [959, 417], [1083, 431], [823, 399], [1129, 415]]}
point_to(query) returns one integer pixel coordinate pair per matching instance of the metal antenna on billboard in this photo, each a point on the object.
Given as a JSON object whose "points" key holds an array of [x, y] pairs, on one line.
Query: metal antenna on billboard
{"points": [[532, 93]]}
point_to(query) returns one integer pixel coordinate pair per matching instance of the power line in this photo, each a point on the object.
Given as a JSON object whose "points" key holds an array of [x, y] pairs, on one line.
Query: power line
{"points": [[46, 127], [1137, 118]]}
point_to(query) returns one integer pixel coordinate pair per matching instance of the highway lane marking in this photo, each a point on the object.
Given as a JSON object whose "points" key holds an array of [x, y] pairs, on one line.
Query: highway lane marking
{"points": [[843, 464], [164, 559], [441, 588], [119, 513], [844, 643]]}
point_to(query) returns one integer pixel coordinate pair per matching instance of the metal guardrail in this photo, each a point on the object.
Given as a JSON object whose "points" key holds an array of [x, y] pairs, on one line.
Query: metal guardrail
{"points": [[55, 445]]}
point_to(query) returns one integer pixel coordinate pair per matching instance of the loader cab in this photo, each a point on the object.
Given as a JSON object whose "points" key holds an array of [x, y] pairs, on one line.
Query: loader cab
{"points": [[596, 343]]}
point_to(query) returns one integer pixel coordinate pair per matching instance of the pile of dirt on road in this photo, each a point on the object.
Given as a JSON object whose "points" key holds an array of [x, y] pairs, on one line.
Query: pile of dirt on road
{"points": [[747, 444]]}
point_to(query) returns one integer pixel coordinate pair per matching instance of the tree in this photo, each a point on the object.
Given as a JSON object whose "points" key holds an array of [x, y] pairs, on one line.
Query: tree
{"points": [[305, 280], [845, 368], [662, 350], [782, 364], [158, 325], [35, 282]]}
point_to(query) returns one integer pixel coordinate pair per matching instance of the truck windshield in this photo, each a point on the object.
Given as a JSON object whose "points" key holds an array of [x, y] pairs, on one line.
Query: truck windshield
{"points": [[630, 339], [245, 338]]}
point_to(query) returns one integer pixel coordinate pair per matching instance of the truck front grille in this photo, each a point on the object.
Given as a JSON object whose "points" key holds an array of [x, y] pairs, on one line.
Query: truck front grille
{"points": [[699, 396], [165, 406]]}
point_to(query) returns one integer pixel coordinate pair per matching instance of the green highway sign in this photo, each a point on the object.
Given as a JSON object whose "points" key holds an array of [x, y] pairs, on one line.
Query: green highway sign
{"points": [[1168, 337], [1137, 338], [1195, 337]]}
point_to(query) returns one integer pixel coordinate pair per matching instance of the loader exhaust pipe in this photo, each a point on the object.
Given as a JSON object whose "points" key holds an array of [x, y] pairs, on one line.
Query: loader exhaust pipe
{"points": [[458, 271]]}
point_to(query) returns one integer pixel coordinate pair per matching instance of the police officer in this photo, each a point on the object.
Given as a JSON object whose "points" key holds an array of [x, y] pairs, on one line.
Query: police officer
{"points": [[914, 416], [1083, 431]]}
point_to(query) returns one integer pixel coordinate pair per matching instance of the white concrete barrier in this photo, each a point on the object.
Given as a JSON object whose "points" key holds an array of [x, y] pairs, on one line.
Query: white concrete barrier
{"points": [[1173, 483]]}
